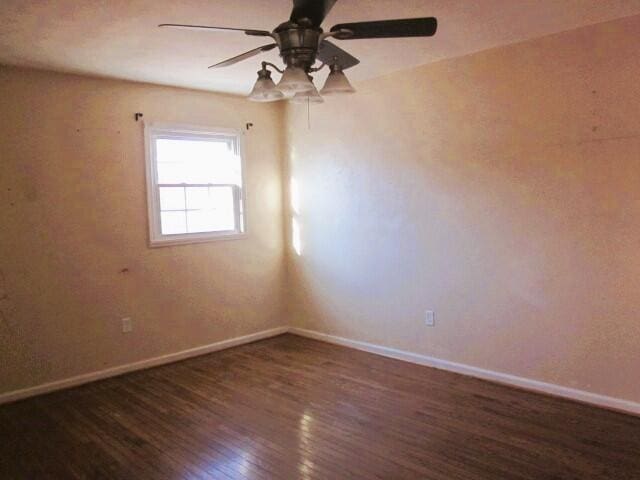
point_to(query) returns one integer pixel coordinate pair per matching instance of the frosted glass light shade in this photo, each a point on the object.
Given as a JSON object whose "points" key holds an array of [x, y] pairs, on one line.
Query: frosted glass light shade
{"points": [[337, 83], [294, 80], [265, 89], [311, 96]]}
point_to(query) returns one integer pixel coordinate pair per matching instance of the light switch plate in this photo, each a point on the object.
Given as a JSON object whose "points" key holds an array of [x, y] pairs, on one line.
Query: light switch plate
{"points": [[127, 325]]}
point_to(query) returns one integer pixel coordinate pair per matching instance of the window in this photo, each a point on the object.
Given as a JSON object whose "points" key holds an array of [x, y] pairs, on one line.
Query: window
{"points": [[194, 184]]}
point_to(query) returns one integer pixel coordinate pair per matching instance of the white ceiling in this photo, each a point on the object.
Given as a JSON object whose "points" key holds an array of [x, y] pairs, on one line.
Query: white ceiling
{"points": [[119, 38]]}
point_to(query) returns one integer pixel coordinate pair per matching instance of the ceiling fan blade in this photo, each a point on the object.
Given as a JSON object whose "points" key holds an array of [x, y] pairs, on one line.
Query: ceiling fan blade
{"points": [[314, 10], [410, 27], [330, 54], [245, 55], [247, 31]]}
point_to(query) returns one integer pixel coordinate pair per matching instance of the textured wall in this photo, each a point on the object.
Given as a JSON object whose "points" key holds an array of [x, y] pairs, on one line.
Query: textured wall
{"points": [[500, 189], [73, 217]]}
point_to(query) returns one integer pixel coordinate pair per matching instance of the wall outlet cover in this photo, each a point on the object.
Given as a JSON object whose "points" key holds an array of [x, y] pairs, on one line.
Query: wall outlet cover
{"points": [[430, 318]]}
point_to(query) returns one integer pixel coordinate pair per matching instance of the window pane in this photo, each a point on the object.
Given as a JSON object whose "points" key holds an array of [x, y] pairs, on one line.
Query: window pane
{"points": [[172, 198], [173, 223], [198, 198], [222, 199], [170, 173], [210, 221], [201, 221], [197, 161], [218, 214]]}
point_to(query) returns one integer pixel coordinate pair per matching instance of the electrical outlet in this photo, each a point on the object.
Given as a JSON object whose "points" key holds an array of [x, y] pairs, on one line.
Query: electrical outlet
{"points": [[430, 318], [127, 325]]}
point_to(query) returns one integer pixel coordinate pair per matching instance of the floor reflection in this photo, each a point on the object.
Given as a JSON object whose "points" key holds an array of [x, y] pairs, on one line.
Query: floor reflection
{"points": [[306, 464]]}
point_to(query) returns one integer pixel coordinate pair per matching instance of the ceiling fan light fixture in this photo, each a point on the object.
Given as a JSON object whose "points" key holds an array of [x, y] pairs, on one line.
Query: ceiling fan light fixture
{"points": [[264, 90], [337, 82], [310, 96], [294, 80]]}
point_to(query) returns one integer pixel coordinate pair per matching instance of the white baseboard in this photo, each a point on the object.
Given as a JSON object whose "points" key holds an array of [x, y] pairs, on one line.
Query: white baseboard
{"points": [[611, 403], [142, 364]]}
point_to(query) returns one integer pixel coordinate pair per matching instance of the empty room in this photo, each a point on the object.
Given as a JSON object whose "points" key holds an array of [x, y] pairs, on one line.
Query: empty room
{"points": [[320, 239]]}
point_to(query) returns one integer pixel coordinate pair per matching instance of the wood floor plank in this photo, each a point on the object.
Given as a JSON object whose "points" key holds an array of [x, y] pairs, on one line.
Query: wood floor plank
{"points": [[294, 408]]}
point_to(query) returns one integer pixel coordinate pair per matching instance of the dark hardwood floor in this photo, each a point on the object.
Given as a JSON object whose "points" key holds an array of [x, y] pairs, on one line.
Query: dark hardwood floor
{"points": [[294, 408]]}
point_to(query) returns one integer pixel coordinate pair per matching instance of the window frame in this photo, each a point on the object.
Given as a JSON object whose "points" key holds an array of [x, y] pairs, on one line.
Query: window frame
{"points": [[155, 130]]}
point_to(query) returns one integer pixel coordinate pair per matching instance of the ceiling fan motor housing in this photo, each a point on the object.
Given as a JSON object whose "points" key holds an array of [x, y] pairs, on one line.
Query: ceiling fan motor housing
{"points": [[298, 44]]}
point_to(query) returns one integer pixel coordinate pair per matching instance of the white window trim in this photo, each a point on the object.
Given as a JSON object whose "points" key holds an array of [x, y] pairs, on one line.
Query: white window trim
{"points": [[156, 238]]}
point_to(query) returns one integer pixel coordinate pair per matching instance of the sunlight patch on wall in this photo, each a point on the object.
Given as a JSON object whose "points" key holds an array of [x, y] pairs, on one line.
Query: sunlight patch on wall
{"points": [[294, 198], [296, 240], [294, 193]]}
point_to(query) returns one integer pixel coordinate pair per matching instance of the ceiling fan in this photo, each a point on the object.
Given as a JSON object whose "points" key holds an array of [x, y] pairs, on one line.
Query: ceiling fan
{"points": [[302, 41]]}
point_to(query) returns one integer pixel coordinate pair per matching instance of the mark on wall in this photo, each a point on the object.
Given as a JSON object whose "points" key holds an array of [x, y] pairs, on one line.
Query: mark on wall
{"points": [[6, 306]]}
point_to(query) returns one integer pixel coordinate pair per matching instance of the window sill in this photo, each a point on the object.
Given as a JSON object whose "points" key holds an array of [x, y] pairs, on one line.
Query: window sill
{"points": [[186, 240]]}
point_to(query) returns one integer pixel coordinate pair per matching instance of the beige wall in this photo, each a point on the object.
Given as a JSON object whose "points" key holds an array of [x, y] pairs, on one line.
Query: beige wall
{"points": [[73, 216], [499, 189]]}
